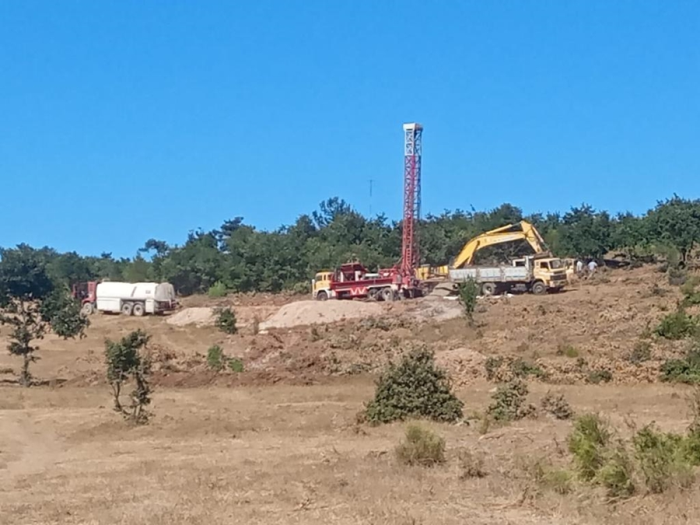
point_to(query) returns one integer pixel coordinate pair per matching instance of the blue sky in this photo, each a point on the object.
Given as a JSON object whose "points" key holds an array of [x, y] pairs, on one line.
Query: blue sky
{"points": [[126, 120]]}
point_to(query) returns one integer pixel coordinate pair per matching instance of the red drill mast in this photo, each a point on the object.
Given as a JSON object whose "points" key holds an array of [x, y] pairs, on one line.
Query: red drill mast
{"points": [[413, 142]]}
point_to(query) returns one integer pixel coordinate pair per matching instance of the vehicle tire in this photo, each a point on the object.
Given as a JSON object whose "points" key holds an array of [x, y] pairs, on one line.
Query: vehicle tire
{"points": [[488, 289], [138, 310], [388, 294], [87, 309], [539, 288], [127, 308], [374, 294], [322, 295]]}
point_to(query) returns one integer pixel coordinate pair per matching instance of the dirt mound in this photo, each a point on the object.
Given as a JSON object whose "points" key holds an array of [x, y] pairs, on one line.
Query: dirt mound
{"points": [[303, 313], [197, 315]]}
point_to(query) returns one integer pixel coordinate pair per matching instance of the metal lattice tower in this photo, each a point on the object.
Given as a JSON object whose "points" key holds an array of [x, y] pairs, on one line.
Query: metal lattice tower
{"points": [[413, 145]]}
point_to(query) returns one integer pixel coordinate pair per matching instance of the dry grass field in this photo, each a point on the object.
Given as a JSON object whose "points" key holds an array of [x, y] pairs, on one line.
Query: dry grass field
{"points": [[265, 447]]}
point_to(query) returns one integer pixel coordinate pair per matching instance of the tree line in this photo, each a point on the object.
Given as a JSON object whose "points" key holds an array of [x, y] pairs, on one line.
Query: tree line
{"points": [[240, 258]]}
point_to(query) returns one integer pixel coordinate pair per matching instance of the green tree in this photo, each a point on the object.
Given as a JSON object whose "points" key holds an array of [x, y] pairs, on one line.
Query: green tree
{"points": [[676, 222], [34, 304], [125, 361]]}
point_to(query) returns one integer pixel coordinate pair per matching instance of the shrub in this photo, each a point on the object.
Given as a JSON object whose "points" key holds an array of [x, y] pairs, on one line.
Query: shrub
{"points": [[676, 276], [616, 474], [588, 443], [468, 292], [661, 460], [470, 465], [522, 368], [235, 365], [421, 446], [415, 387], [567, 350], [218, 289], [492, 366], [686, 370], [226, 321], [599, 376], [640, 353], [509, 402], [557, 406], [677, 325], [557, 480], [689, 290], [125, 362], [215, 357]]}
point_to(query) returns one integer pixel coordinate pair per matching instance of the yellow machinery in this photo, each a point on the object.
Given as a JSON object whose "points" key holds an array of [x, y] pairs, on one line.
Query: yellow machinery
{"points": [[545, 270]]}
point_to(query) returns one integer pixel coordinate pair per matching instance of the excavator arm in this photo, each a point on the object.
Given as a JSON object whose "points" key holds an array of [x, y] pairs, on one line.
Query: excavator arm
{"points": [[504, 234]]}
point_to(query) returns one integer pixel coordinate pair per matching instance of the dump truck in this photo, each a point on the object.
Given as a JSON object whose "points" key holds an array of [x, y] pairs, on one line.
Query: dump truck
{"points": [[529, 274], [538, 273]]}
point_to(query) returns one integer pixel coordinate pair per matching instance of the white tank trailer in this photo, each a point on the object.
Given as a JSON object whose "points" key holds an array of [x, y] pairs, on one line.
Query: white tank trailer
{"points": [[135, 298]]}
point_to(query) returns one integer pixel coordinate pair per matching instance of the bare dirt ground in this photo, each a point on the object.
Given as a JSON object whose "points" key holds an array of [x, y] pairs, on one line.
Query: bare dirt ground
{"points": [[279, 442]]}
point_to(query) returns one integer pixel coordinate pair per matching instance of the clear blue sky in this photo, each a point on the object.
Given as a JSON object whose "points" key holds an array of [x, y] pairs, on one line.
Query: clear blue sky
{"points": [[126, 120]]}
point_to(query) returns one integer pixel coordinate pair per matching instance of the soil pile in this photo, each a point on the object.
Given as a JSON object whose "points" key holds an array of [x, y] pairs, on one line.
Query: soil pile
{"points": [[303, 313], [198, 315]]}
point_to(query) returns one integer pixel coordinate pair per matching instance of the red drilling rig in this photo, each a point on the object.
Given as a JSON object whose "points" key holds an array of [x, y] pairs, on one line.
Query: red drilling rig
{"points": [[410, 255]]}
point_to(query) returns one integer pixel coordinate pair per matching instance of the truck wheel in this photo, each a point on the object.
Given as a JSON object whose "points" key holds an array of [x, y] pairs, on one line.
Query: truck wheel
{"points": [[539, 288], [138, 310], [87, 309], [388, 294], [373, 294], [127, 308], [321, 296], [488, 289]]}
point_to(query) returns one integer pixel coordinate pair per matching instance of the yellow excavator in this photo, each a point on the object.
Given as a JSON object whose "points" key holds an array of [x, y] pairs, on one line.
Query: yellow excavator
{"points": [[545, 269]]}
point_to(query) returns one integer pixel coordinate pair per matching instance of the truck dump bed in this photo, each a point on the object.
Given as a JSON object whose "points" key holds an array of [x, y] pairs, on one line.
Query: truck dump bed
{"points": [[491, 274]]}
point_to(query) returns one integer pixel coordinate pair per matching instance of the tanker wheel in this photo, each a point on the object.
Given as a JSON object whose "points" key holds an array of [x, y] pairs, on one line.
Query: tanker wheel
{"points": [[87, 309], [388, 294], [321, 296], [127, 308], [138, 310], [539, 288], [488, 289]]}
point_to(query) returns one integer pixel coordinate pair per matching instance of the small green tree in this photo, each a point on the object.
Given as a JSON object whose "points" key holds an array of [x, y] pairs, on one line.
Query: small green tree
{"points": [[415, 387], [226, 321], [33, 305], [125, 361], [468, 292]]}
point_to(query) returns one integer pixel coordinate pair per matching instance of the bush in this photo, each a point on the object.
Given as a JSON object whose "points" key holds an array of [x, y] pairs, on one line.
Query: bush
{"points": [[557, 406], [421, 446], [599, 376], [226, 321], [522, 368], [616, 474], [509, 402], [218, 289], [415, 387], [557, 480], [661, 459], [470, 465], [677, 325], [640, 353], [468, 292], [215, 357], [492, 366], [125, 361], [588, 442], [235, 365], [690, 293], [567, 350], [686, 370]]}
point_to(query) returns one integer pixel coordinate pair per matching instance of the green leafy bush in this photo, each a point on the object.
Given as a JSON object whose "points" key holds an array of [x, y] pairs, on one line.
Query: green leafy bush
{"points": [[215, 357], [218, 289], [492, 366], [686, 370], [661, 459], [677, 325], [414, 388], [522, 368], [510, 402], [557, 406], [588, 442], [616, 474], [599, 376], [235, 365], [421, 446], [468, 292], [226, 321]]}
